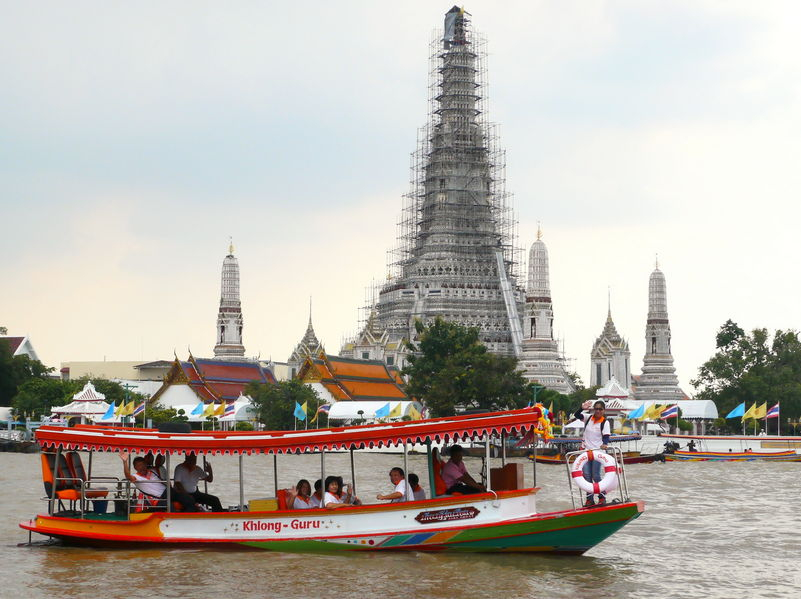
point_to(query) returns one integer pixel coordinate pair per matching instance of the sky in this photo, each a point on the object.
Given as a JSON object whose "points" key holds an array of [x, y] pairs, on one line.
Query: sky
{"points": [[135, 139]]}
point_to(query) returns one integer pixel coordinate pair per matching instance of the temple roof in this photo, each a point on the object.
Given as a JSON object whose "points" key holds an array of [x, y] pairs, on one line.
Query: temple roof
{"points": [[88, 393], [215, 380], [612, 389], [348, 379], [609, 339]]}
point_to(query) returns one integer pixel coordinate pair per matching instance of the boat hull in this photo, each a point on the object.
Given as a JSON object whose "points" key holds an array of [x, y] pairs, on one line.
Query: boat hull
{"points": [[451, 524]]}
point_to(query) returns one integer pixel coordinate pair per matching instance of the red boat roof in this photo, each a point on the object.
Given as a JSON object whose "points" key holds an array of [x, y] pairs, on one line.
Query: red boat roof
{"points": [[103, 438]]}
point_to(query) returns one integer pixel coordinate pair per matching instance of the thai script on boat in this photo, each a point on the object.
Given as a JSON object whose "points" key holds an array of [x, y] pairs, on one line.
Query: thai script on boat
{"points": [[277, 526], [458, 513]]}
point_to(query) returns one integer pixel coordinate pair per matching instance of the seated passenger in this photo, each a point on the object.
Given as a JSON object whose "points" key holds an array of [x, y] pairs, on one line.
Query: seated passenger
{"points": [[299, 496], [188, 474], [333, 498], [455, 476], [347, 493], [153, 491], [418, 491], [402, 491], [316, 499]]}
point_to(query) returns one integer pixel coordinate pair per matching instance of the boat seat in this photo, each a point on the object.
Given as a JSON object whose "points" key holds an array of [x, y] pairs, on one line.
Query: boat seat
{"points": [[78, 473], [281, 497], [436, 463], [66, 484]]}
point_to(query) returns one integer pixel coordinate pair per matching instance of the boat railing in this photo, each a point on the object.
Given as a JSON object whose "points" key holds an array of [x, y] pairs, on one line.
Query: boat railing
{"points": [[621, 492], [88, 490]]}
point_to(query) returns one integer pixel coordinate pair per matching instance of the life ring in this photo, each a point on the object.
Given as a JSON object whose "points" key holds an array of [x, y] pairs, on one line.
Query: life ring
{"points": [[608, 470]]}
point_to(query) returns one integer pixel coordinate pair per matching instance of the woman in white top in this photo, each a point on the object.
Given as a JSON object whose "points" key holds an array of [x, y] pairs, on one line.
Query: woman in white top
{"points": [[333, 498], [299, 498]]}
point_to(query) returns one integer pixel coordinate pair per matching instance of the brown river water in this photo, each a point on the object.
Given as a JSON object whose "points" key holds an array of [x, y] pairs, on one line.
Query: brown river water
{"points": [[710, 530]]}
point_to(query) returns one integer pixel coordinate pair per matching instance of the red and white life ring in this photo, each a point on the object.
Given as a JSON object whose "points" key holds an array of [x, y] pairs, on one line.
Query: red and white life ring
{"points": [[608, 471]]}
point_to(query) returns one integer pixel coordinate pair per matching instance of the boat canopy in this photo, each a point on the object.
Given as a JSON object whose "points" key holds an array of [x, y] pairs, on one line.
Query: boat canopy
{"points": [[102, 438]]}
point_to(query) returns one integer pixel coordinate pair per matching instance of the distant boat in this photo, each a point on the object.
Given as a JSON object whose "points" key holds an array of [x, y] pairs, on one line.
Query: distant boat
{"points": [[732, 456]]}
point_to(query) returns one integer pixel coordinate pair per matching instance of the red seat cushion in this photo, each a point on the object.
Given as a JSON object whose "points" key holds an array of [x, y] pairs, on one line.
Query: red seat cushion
{"points": [[281, 497]]}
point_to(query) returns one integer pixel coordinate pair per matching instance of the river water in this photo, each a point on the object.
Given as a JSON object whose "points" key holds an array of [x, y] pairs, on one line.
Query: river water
{"points": [[710, 530]]}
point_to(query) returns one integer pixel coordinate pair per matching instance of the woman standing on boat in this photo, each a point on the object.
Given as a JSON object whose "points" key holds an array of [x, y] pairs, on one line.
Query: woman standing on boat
{"points": [[596, 436]]}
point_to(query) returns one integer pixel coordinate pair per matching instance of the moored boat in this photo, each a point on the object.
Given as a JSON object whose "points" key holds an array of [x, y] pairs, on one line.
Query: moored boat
{"points": [[732, 456], [502, 519]]}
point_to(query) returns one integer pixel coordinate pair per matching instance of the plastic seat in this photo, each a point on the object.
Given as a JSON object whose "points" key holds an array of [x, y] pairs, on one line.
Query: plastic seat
{"points": [[77, 471]]}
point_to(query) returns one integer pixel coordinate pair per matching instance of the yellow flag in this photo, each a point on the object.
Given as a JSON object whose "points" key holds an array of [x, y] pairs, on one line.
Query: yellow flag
{"points": [[209, 411], [761, 411], [118, 411], [651, 412], [750, 412], [414, 414], [305, 407], [396, 411], [130, 407], [220, 410]]}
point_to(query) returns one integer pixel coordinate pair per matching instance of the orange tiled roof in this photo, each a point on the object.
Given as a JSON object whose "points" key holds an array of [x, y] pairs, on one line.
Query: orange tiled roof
{"points": [[348, 379]]}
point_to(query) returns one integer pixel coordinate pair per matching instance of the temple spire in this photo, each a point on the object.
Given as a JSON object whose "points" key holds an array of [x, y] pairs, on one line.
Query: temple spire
{"points": [[658, 380], [229, 317]]}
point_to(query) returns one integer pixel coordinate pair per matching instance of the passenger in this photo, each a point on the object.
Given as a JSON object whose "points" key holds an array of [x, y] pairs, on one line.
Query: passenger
{"points": [[402, 492], [156, 464], [152, 490], [346, 492], [414, 483], [455, 476], [299, 496], [316, 499], [597, 431], [186, 477], [333, 498]]}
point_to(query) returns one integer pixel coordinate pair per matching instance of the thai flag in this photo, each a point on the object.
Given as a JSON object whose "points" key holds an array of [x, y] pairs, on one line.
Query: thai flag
{"points": [[671, 412], [773, 412], [324, 409], [139, 409], [230, 410]]}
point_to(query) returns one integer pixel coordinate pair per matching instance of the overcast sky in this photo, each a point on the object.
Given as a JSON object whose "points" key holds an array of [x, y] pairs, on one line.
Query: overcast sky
{"points": [[135, 138]]}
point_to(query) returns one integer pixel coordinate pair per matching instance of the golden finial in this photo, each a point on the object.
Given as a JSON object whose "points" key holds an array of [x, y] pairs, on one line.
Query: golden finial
{"points": [[657, 260], [539, 231], [230, 246]]}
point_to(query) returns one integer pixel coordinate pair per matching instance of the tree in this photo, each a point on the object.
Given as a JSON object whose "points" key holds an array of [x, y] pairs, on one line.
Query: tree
{"points": [[451, 369], [36, 396], [275, 403], [752, 368], [15, 370]]}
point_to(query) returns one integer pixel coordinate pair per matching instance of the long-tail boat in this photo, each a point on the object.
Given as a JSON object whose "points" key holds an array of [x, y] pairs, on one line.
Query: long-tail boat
{"points": [[504, 518]]}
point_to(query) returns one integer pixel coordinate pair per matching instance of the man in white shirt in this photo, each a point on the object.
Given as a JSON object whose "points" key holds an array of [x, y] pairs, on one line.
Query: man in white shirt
{"points": [[402, 492], [151, 487], [188, 474]]}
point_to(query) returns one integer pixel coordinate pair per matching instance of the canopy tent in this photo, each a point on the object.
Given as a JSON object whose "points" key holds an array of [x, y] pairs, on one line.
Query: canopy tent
{"points": [[349, 410], [87, 403], [575, 424], [96, 438]]}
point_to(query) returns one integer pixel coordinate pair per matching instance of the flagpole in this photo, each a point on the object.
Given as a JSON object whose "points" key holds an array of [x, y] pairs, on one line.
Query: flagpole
{"points": [[779, 420]]}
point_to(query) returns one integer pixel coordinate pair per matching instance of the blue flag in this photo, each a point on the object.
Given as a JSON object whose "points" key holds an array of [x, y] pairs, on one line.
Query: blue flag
{"points": [[199, 408], [110, 412], [383, 411], [737, 412], [638, 413], [300, 414]]}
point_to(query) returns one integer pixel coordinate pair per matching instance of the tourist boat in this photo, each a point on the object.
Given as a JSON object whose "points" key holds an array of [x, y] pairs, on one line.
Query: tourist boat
{"points": [[557, 449], [735, 443], [732, 456], [504, 518]]}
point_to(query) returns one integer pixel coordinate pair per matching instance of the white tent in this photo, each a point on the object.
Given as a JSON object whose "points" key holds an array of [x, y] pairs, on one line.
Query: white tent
{"points": [[349, 410], [87, 403]]}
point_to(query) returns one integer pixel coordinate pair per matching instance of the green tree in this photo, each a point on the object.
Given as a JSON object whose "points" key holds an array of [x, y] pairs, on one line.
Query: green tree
{"points": [[15, 370], [158, 414], [275, 403], [451, 369], [36, 396], [753, 368]]}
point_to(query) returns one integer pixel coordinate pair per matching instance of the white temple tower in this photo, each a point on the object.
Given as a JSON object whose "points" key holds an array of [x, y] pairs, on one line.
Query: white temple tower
{"points": [[658, 381], [229, 320], [610, 357], [540, 359]]}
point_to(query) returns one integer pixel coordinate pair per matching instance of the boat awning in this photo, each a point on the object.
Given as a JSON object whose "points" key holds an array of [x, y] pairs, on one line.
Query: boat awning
{"points": [[101, 438]]}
